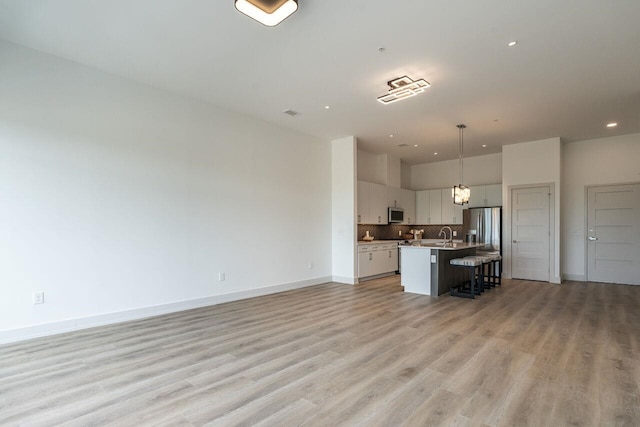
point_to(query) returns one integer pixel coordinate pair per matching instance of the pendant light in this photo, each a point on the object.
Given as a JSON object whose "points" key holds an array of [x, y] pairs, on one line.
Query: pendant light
{"points": [[460, 192], [267, 12]]}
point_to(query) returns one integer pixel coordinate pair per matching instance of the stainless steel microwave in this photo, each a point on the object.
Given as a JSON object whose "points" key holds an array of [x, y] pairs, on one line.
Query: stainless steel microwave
{"points": [[396, 215]]}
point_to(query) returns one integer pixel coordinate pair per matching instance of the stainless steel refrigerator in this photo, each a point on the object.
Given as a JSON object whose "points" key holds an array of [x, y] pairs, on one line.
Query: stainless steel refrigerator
{"points": [[486, 225]]}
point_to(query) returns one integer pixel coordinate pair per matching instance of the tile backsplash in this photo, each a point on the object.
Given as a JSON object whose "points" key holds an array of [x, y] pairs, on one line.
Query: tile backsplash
{"points": [[390, 232]]}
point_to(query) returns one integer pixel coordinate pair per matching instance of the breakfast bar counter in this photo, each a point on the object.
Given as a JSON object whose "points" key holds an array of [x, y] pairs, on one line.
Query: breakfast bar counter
{"points": [[425, 266]]}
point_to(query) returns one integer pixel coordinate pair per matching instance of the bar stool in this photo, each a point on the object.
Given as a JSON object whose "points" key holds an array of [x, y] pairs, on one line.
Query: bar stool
{"points": [[484, 274], [495, 272], [460, 290]]}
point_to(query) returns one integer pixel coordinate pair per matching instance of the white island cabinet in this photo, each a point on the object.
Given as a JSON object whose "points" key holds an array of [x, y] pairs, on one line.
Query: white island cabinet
{"points": [[426, 269], [416, 269]]}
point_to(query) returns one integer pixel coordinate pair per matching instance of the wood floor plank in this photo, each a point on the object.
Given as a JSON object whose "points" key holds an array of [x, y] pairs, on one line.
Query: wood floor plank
{"points": [[528, 353]]}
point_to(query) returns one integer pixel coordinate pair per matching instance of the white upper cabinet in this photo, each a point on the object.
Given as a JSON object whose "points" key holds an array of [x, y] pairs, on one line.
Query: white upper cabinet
{"points": [[435, 207], [372, 203], [451, 213], [485, 196], [477, 197], [408, 198], [423, 212], [379, 213], [429, 207], [394, 197], [493, 195], [364, 203]]}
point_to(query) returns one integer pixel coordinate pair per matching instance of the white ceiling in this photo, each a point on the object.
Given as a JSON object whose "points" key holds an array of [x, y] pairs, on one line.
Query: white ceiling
{"points": [[575, 68]]}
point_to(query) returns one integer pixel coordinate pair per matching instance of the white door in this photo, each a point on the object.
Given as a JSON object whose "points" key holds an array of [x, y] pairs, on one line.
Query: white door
{"points": [[613, 234], [530, 233]]}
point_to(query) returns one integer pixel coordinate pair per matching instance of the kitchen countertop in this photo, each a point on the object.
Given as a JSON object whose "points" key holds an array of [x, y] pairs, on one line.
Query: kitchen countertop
{"points": [[373, 242], [439, 246]]}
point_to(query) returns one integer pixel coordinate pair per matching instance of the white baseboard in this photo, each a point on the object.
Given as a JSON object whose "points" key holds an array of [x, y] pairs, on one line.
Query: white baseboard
{"points": [[345, 280], [574, 277], [21, 334]]}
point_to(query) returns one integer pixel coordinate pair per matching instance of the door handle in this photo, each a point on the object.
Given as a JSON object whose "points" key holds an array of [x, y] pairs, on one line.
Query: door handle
{"points": [[515, 241], [592, 239]]}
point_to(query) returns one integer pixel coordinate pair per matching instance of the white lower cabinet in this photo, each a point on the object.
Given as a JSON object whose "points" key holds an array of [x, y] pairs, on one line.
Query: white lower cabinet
{"points": [[376, 259]]}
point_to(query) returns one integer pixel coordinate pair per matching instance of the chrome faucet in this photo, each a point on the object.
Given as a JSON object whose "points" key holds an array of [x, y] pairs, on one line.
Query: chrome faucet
{"points": [[442, 231]]}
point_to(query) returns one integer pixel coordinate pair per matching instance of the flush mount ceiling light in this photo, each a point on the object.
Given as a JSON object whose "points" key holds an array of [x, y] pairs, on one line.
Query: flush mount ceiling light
{"points": [[267, 12], [461, 193], [402, 88], [612, 125]]}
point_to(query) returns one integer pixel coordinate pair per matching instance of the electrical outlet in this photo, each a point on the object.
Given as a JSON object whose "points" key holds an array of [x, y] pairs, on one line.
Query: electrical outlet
{"points": [[38, 297], [221, 277], [455, 233]]}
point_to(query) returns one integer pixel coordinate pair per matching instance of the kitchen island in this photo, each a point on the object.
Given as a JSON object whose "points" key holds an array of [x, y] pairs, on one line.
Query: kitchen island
{"points": [[426, 269]]}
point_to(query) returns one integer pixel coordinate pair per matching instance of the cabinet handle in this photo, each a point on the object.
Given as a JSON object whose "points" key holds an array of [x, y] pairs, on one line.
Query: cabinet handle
{"points": [[379, 219], [389, 254], [359, 218], [370, 255]]}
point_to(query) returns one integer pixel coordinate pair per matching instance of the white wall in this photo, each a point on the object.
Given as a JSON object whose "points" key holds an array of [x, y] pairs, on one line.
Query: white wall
{"points": [[372, 167], [536, 162], [405, 176], [394, 171], [479, 170], [343, 205], [115, 197], [379, 168], [614, 160]]}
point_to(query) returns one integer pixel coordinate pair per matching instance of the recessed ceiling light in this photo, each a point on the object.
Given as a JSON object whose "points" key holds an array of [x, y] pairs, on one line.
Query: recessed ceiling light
{"points": [[612, 125], [381, 49], [484, 145], [512, 43], [415, 145], [435, 154], [267, 12], [391, 136], [326, 107]]}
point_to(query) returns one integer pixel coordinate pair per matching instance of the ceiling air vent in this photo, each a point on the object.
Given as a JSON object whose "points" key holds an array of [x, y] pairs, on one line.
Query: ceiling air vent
{"points": [[292, 113]]}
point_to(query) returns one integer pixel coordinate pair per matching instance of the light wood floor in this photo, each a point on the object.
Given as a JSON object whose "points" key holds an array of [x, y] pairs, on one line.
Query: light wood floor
{"points": [[526, 354]]}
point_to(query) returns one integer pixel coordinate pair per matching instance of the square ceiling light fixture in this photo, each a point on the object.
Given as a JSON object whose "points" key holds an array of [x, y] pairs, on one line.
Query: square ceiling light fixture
{"points": [[267, 12], [402, 88]]}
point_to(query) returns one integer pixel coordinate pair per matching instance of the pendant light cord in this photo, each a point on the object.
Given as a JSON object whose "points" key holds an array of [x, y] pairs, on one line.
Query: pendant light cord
{"points": [[461, 143]]}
